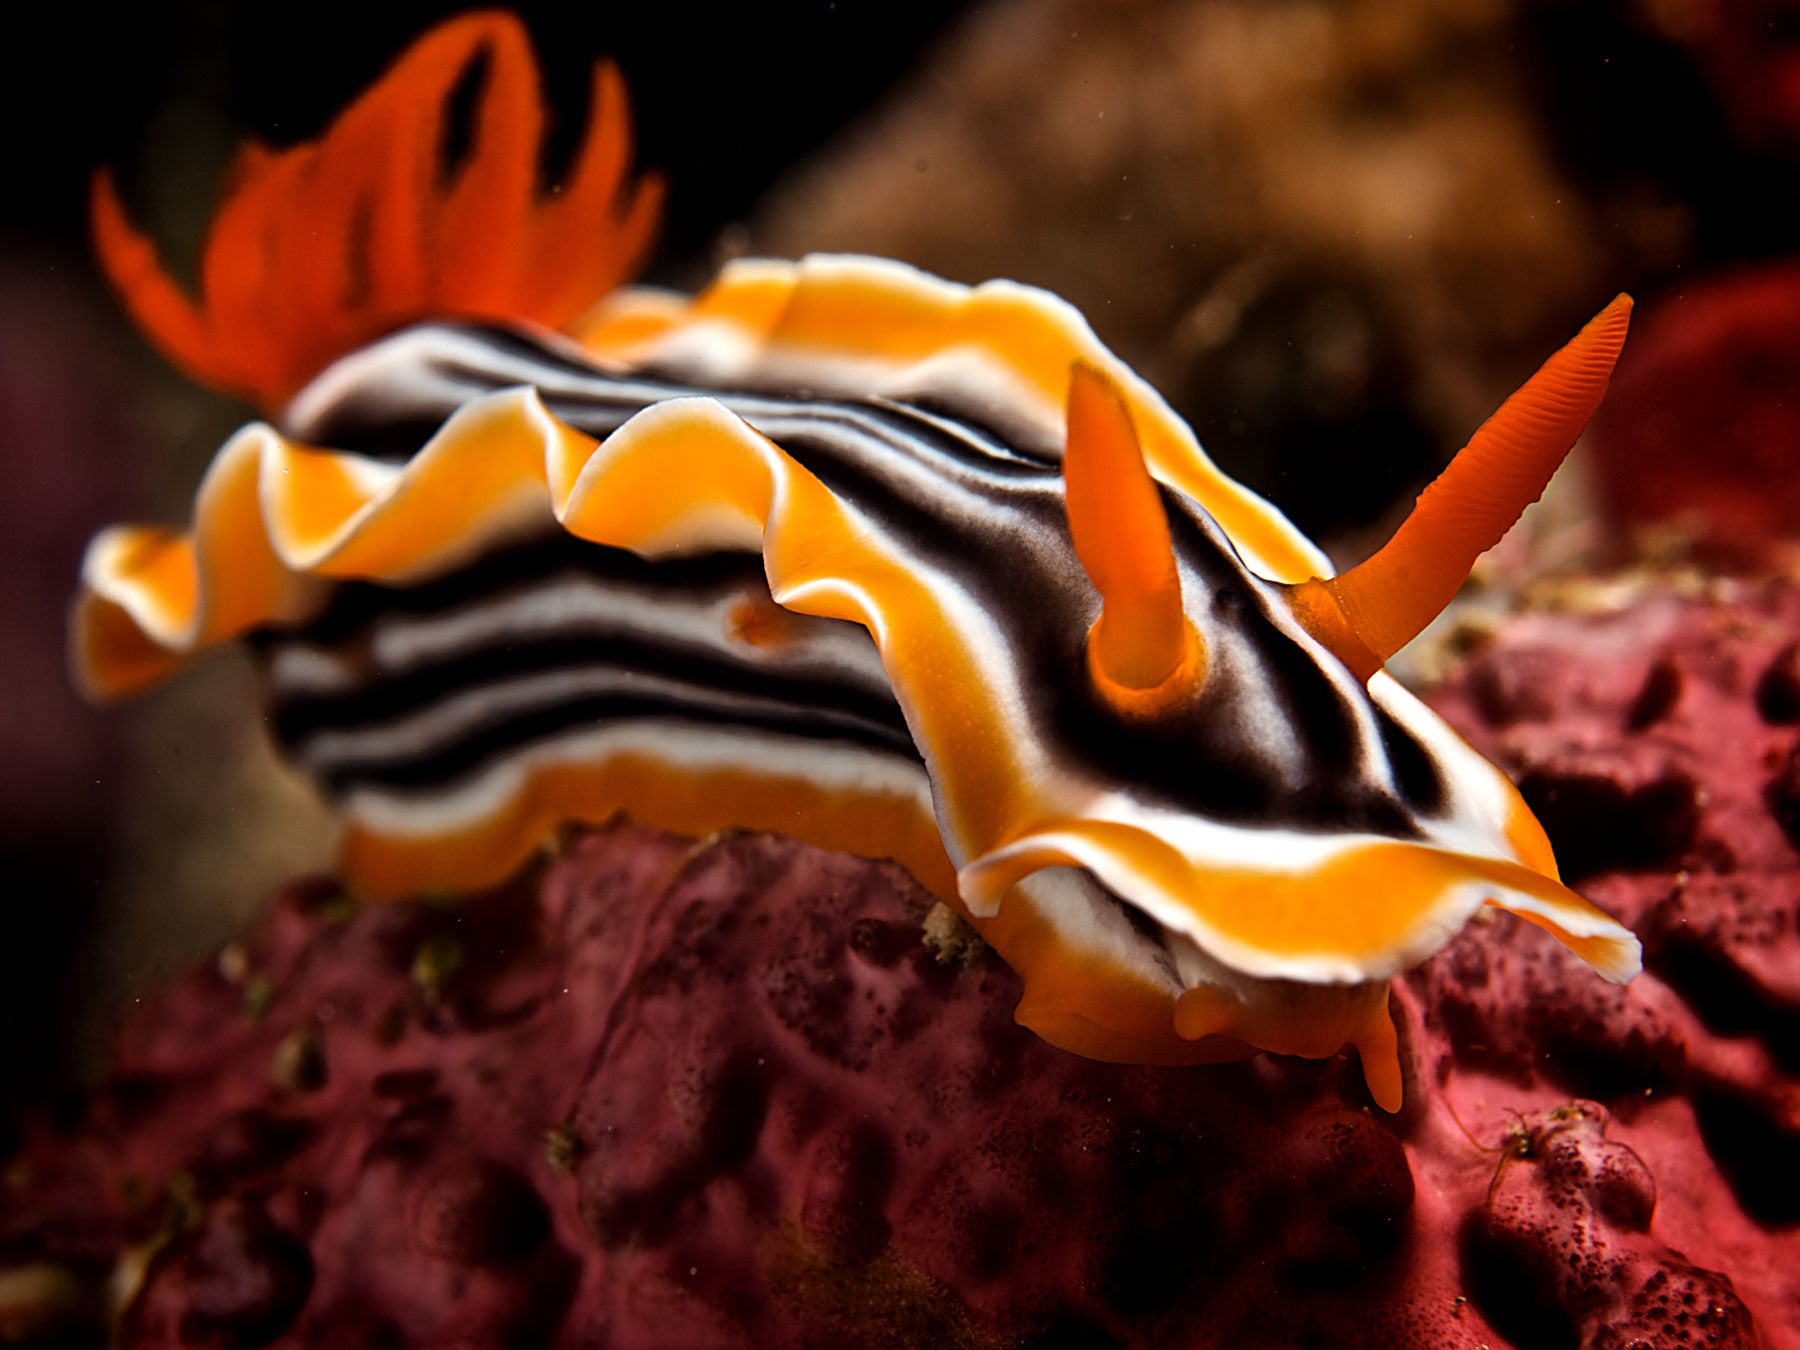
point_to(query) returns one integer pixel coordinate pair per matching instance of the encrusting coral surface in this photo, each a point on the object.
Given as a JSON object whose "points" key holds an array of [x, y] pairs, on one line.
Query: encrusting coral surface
{"points": [[741, 1092]]}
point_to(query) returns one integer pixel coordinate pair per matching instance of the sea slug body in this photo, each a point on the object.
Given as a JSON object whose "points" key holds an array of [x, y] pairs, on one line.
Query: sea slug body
{"points": [[834, 548]]}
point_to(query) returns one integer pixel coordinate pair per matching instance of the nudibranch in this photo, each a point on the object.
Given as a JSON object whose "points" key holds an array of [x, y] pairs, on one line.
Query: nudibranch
{"points": [[833, 548]]}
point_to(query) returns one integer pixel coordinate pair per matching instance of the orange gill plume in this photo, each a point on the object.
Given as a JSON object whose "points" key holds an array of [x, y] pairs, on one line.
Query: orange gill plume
{"points": [[322, 247], [1367, 614], [1143, 653]]}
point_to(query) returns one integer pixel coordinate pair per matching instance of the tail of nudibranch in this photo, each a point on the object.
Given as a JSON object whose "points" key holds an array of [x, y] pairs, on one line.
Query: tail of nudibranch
{"points": [[322, 247]]}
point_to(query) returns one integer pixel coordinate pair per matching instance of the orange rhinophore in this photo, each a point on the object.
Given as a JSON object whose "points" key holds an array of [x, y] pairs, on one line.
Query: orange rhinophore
{"points": [[1377, 607], [323, 247], [893, 565], [1142, 643]]}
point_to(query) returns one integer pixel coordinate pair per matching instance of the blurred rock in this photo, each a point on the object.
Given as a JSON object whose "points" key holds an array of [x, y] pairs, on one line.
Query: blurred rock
{"points": [[1701, 430]]}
